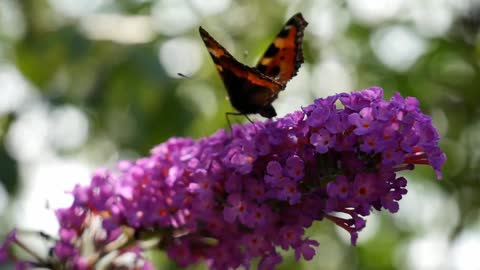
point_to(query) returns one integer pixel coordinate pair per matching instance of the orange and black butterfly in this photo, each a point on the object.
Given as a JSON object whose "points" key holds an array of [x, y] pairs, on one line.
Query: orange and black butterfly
{"points": [[253, 89]]}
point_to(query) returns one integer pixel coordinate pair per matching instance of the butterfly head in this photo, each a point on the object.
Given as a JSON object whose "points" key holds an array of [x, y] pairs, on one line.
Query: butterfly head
{"points": [[268, 112]]}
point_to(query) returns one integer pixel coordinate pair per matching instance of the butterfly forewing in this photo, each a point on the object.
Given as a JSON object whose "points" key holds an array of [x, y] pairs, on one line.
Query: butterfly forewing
{"points": [[284, 56]]}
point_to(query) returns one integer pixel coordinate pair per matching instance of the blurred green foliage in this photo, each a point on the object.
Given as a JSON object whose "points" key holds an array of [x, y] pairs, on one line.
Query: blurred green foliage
{"points": [[130, 98]]}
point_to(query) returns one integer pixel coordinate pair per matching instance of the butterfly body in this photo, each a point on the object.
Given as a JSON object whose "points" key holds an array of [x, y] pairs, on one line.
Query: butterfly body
{"points": [[249, 97], [253, 89]]}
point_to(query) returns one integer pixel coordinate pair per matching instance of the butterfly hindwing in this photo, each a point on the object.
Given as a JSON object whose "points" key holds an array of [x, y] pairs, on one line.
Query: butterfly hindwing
{"points": [[284, 56]]}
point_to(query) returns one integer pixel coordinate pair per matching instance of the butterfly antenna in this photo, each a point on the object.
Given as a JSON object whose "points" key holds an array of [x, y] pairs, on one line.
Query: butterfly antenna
{"points": [[183, 75]]}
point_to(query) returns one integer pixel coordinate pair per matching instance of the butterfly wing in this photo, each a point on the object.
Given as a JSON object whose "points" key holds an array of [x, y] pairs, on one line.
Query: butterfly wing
{"points": [[249, 90], [284, 56]]}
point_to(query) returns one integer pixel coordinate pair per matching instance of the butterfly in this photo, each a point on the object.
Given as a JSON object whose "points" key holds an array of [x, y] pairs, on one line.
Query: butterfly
{"points": [[252, 90]]}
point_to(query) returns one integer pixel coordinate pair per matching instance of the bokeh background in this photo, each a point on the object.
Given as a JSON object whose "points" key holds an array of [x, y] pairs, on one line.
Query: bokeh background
{"points": [[84, 84]]}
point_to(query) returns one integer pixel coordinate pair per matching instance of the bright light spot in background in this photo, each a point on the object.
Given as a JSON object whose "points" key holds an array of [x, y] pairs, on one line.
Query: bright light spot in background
{"points": [[26, 139], [32, 134], [374, 11], [210, 7], [331, 77], [3, 199], [432, 18], [14, 88], [462, 6], [172, 17], [429, 252], [118, 28], [330, 253], [465, 250], [68, 127], [326, 20], [75, 8], [296, 94], [418, 211], [47, 182], [397, 47], [201, 96], [180, 55], [10, 14]]}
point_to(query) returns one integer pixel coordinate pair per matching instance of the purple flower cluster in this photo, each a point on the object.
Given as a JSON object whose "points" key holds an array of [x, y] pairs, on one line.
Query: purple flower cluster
{"points": [[232, 197]]}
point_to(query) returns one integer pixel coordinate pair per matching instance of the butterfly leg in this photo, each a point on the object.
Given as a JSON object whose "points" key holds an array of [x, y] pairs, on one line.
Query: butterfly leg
{"points": [[251, 122], [227, 114], [248, 118], [303, 110]]}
